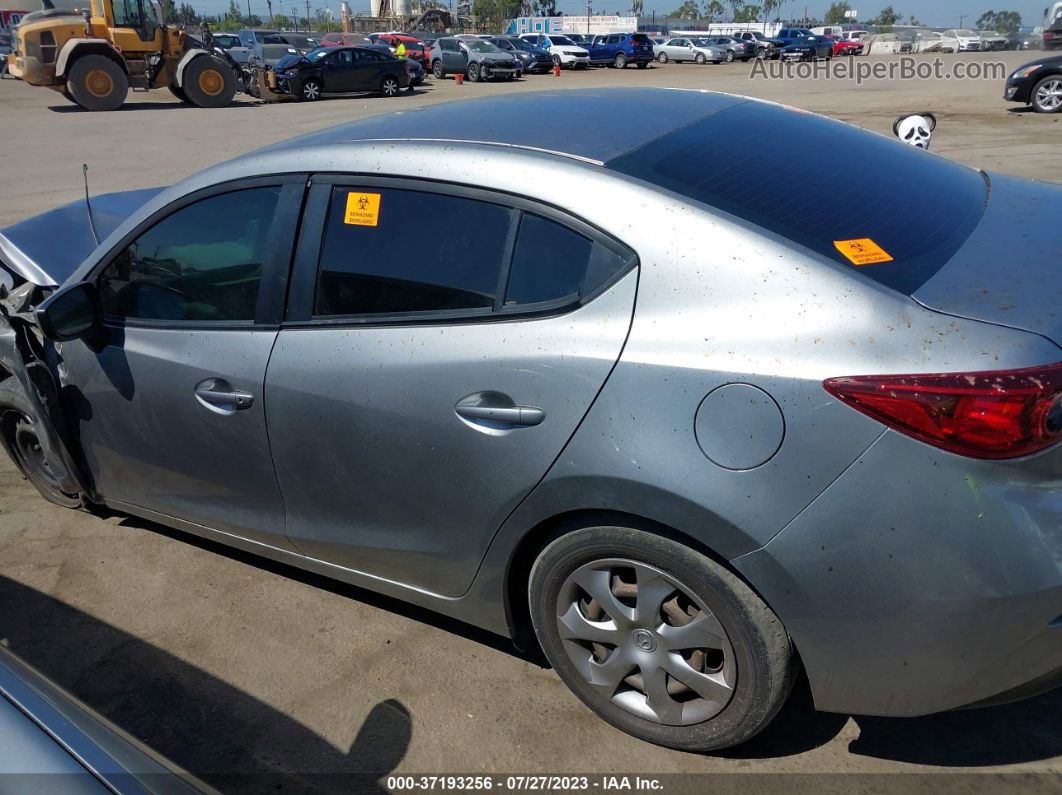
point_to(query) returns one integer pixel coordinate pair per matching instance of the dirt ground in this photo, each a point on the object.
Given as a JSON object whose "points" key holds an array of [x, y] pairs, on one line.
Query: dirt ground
{"points": [[255, 676]]}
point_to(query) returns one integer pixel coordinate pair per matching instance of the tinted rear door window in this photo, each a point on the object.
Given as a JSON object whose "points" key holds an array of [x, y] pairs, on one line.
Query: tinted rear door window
{"points": [[388, 251], [914, 206]]}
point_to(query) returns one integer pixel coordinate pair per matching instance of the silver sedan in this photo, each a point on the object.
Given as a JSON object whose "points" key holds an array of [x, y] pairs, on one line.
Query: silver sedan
{"points": [[828, 439], [680, 50]]}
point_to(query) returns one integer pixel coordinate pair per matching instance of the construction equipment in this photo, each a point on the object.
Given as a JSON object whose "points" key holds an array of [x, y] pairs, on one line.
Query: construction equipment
{"points": [[94, 57]]}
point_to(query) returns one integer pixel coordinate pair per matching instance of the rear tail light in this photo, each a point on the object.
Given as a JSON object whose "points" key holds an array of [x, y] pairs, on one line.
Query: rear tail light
{"points": [[998, 414]]}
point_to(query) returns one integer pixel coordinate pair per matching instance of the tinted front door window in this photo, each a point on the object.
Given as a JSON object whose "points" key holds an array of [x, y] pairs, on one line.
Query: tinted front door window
{"points": [[201, 263]]}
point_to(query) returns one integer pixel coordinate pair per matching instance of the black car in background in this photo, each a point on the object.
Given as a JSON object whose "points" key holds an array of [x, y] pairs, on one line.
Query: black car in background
{"points": [[531, 57], [807, 48], [338, 70], [1038, 84]]}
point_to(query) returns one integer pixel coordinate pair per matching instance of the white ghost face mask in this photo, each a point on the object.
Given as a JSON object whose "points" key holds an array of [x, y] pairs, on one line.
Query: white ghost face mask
{"points": [[915, 129]]}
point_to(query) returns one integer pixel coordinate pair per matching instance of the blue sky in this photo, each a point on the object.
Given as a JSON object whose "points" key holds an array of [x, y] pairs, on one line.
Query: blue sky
{"points": [[938, 13]]}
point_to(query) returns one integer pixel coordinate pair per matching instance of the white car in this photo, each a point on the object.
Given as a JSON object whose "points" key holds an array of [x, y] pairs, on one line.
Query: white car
{"points": [[962, 40], [565, 52]]}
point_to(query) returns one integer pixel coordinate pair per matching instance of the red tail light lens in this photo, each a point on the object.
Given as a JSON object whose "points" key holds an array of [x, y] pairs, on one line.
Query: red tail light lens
{"points": [[996, 414]]}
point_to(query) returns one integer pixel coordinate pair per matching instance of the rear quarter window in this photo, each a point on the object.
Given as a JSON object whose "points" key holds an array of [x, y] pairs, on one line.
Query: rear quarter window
{"points": [[914, 206]]}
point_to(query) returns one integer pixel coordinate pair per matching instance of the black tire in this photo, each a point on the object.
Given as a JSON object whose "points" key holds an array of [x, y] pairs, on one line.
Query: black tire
{"points": [[209, 82], [20, 434], [662, 57], [729, 56], [1043, 104], [178, 92], [763, 663], [389, 86], [473, 73], [437, 69], [620, 61], [310, 90], [699, 59], [556, 60], [97, 83], [642, 64]]}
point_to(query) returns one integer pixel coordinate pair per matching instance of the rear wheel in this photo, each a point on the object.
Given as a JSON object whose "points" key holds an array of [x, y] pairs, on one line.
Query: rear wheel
{"points": [[658, 639], [662, 57], [1047, 95], [209, 82], [310, 90], [97, 83], [620, 61], [437, 70], [389, 87]]}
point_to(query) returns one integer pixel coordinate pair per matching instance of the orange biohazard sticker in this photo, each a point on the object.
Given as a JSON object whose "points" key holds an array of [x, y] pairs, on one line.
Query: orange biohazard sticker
{"points": [[363, 209], [862, 251]]}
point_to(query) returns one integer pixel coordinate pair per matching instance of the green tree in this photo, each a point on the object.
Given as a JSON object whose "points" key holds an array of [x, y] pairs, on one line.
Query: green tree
{"points": [[688, 10], [281, 22], [234, 12], [636, 7], [747, 13], [836, 14], [713, 10], [911, 20], [491, 13], [1001, 21], [769, 7], [886, 18], [185, 15]]}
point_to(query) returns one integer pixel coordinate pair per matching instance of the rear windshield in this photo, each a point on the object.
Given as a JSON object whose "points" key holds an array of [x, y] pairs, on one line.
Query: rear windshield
{"points": [[898, 222], [640, 38]]}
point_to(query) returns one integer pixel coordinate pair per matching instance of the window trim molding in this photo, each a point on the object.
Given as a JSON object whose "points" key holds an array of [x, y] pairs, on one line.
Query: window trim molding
{"points": [[303, 285], [276, 268]]}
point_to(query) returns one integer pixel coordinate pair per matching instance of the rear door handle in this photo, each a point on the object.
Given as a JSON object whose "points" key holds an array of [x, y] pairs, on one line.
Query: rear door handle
{"points": [[497, 407], [218, 395]]}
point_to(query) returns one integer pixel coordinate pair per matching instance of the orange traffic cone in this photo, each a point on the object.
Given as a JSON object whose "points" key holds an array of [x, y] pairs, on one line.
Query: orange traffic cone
{"points": [[556, 70]]}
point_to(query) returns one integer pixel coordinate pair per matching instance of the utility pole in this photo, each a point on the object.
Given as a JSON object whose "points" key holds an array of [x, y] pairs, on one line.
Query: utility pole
{"points": [[269, 5], [248, 13], [589, 9], [309, 27], [961, 18]]}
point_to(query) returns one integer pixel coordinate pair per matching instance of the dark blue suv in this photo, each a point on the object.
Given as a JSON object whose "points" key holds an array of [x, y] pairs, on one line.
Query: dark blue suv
{"points": [[620, 49]]}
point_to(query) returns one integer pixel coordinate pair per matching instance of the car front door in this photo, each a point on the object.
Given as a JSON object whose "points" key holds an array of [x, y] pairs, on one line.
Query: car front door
{"points": [[679, 50], [168, 401], [420, 390], [338, 73], [454, 56]]}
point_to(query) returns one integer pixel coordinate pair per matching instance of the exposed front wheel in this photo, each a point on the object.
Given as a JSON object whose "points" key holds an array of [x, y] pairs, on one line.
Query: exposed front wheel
{"points": [[473, 73], [20, 433], [658, 639], [209, 82], [1047, 95], [310, 90], [97, 83]]}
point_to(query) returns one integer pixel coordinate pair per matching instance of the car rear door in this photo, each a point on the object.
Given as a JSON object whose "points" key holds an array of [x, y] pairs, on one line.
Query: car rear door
{"points": [[420, 389], [168, 403], [338, 73]]}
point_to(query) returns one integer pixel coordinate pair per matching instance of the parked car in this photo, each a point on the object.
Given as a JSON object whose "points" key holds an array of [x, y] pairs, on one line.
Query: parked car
{"points": [[226, 40], [532, 58], [991, 40], [961, 40], [51, 737], [789, 35], [249, 38], [691, 50], [473, 57], [583, 439], [565, 52], [739, 49], [338, 70], [808, 48], [1024, 41], [1038, 84], [620, 49], [760, 44], [415, 48], [417, 72], [582, 39], [345, 39], [847, 47], [1052, 38]]}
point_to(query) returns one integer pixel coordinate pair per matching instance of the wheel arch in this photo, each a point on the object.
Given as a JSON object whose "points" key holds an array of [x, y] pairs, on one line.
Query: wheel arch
{"points": [[75, 49]]}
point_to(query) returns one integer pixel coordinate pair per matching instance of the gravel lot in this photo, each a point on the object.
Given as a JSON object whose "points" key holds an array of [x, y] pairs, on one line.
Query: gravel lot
{"points": [[254, 676]]}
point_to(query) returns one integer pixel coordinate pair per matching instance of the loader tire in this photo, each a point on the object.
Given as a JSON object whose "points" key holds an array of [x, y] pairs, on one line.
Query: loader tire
{"points": [[97, 83], [178, 92], [209, 82]]}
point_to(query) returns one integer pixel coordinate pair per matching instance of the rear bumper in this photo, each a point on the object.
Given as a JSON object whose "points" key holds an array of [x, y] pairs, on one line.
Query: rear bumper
{"points": [[920, 581]]}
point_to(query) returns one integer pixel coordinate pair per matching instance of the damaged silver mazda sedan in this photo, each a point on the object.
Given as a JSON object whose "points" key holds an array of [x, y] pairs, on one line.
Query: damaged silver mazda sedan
{"points": [[616, 391]]}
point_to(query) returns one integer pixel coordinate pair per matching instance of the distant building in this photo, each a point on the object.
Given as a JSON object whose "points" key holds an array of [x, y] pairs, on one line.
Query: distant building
{"points": [[572, 24]]}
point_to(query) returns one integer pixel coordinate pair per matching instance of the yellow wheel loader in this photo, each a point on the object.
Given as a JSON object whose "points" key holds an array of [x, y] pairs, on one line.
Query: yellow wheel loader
{"points": [[96, 56]]}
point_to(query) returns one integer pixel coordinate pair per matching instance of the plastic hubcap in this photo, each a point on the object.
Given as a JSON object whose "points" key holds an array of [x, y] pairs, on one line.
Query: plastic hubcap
{"points": [[643, 640]]}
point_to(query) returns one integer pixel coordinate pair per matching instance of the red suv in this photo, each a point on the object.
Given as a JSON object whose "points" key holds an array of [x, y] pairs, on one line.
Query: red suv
{"points": [[415, 48]]}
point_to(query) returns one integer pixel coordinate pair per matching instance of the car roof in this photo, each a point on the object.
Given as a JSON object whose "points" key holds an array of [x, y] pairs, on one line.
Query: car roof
{"points": [[531, 120]]}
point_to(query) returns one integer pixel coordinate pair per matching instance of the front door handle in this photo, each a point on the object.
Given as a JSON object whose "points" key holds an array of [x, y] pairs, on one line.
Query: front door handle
{"points": [[218, 395], [499, 408]]}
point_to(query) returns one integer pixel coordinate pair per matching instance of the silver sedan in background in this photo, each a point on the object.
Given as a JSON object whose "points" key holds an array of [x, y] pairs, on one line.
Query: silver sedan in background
{"points": [[825, 438], [684, 50]]}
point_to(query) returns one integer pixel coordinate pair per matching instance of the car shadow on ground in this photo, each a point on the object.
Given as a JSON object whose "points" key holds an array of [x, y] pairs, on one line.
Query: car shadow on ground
{"points": [[131, 106], [224, 736]]}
